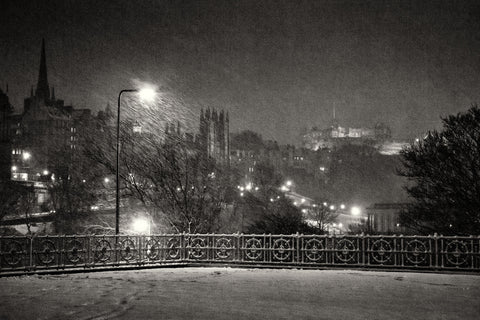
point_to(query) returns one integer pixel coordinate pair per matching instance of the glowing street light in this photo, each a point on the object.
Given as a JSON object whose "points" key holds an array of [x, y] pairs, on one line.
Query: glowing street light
{"points": [[355, 211], [148, 94], [141, 225], [289, 183], [14, 168], [26, 155], [342, 206]]}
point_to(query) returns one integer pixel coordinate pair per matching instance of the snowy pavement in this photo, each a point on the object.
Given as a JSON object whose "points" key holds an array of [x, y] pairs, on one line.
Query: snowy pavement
{"points": [[229, 293]]}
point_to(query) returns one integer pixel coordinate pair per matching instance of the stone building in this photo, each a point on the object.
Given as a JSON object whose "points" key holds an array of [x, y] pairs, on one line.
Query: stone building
{"points": [[6, 111], [214, 135], [45, 127]]}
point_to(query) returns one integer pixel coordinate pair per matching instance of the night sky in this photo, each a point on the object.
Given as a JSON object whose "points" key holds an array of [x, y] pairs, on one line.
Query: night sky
{"points": [[276, 66]]}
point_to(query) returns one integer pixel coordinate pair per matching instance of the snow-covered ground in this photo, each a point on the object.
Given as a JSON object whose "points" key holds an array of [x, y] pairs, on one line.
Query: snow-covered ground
{"points": [[228, 293]]}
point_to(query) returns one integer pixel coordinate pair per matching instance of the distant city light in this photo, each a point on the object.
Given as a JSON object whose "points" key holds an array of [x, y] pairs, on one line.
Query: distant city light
{"points": [[45, 172], [241, 194], [14, 168], [83, 181], [248, 186], [355, 211], [322, 168], [304, 210], [26, 155], [295, 203], [332, 207], [325, 204], [256, 188], [284, 188], [289, 183], [106, 180], [242, 188], [342, 206], [303, 200], [340, 225]]}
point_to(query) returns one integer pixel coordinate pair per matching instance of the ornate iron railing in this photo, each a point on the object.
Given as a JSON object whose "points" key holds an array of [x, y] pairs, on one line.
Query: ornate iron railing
{"points": [[31, 254]]}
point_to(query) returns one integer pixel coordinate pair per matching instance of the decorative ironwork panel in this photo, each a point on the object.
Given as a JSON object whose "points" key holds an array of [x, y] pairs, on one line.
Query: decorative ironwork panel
{"points": [[15, 252], [75, 250], [224, 248], [253, 248], [152, 249], [416, 252], [346, 250], [381, 251], [283, 249], [173, 248], [46, 251], [197, 247], [104, 250], [128, 249], [314, 250], [456, 253]]}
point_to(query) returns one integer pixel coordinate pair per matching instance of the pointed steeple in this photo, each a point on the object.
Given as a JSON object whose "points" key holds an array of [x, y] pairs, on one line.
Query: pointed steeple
{"points": [[43, 90]]}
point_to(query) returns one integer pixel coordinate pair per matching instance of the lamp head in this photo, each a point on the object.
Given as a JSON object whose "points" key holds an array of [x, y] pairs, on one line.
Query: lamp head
{"points": [[147, 94]]}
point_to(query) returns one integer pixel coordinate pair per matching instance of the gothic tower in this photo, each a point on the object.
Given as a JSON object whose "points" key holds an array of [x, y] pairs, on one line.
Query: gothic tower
{"points": [[214, 134], [43, 90]]}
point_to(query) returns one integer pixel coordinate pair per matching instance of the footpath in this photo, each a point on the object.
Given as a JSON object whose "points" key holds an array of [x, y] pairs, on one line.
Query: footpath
{"points": [[233, 293]]}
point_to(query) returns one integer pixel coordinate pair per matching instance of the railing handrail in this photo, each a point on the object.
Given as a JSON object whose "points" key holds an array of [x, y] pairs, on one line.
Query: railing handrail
{"points": [[434, 252]]}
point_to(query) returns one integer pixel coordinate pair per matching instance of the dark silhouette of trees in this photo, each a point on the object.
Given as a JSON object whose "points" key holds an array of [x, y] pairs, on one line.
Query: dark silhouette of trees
{"points": [[322, 217], [444, 174], [265, 209]]}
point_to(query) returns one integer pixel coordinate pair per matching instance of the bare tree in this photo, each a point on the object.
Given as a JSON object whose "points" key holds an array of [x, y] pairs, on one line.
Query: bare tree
{"points": [[321, 217]]}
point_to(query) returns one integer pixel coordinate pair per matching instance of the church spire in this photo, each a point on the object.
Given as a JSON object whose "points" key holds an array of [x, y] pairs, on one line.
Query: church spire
{"points": [[43, 90]]}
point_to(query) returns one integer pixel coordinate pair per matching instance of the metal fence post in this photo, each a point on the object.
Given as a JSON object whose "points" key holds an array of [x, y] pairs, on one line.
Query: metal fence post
{"points": [[436, 251], [31, 263]]}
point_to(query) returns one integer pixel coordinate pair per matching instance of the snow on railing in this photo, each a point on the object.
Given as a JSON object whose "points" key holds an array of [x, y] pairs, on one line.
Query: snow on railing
{"points": [[32, 254]]}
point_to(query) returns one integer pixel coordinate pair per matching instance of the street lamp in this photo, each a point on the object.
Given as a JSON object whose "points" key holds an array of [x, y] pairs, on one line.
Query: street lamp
{"points": [[141, 226], [26, 155], [355, 211], [146, 94]]}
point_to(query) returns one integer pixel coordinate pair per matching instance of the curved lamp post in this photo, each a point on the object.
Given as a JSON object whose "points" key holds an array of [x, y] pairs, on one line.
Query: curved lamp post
{"points": [[147, 94]]}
